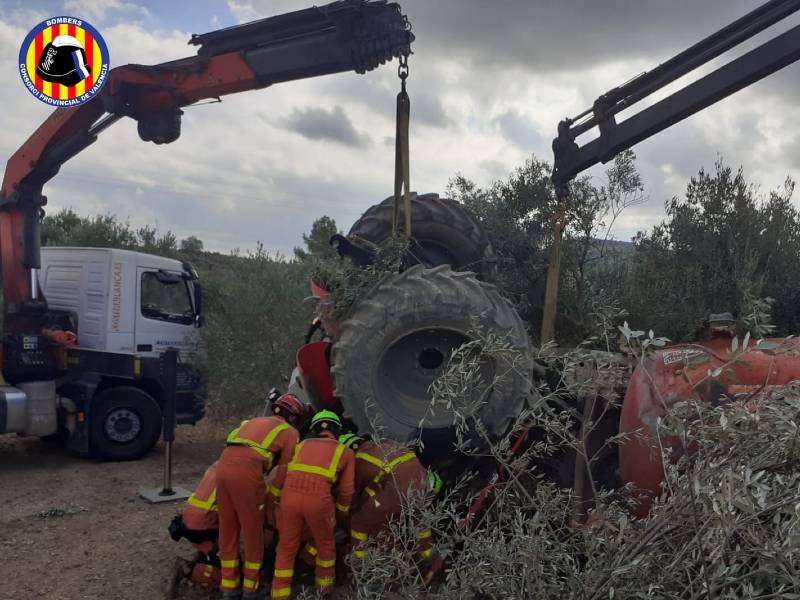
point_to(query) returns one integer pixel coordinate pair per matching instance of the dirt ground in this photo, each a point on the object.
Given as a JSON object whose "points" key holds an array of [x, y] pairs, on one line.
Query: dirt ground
{"points": [[74, 528]]}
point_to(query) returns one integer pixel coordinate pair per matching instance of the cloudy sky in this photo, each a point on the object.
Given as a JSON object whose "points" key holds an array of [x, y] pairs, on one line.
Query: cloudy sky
{"points": [[489, 83]]}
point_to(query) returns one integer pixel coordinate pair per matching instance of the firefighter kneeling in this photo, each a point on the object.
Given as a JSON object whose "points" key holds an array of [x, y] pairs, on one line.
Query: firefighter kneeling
{"points": [[198, 523], [387, 473], [320, 463]]}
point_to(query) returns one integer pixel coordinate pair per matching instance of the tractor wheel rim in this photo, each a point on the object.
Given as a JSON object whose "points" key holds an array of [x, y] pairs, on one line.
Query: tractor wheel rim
{"points": [[122, 425], [408, 368]]}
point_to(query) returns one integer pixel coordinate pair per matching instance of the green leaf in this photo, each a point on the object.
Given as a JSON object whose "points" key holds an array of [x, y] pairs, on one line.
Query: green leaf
{"points": [[767, 345]]}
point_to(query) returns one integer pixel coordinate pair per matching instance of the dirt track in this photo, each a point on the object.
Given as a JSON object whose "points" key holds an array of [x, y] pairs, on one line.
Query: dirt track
{"points": [[72, 528]]}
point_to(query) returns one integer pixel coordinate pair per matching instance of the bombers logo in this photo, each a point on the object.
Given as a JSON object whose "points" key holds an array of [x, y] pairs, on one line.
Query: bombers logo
{"points": [[64, 61]]}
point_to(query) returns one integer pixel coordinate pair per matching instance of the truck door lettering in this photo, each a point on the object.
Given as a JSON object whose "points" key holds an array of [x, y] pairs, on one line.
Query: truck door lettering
{"points": [[116, 298]]}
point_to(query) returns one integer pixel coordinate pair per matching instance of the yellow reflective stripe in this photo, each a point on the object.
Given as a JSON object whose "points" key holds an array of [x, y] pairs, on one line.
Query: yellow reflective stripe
{"points": [[424, 534], [229, 564], [284, 573], [204, 504], [255, 566], [325, 564], [373, 460], [358, 535], [281, 593], [230, 583], [297, 450], [337, 456], [253, 445], [387, 470], [329, 473], [426, 553], [360, 554], [311, 550], [370, 492], [342, 507], [263, 447], [267, 442], [274, 491], [235, 432], [323, 581], [382, 465], [403, 458], [208, 569], [249, 583], [293, 468]]}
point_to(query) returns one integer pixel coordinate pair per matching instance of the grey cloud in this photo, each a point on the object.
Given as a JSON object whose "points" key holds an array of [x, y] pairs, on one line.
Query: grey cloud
{"points": [[375, 92], [427, 109], [684, 148], [249, 218], [495, 169], [547, 34], [517, 128], [321, 124]]}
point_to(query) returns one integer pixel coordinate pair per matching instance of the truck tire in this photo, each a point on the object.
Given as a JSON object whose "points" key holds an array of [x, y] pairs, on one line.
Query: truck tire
{"points": [[443, 229], [396, 342], [124, 424]]}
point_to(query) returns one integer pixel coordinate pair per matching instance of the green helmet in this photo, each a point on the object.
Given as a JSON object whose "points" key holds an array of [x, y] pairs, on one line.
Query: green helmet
{"points": [[435, 482], [351, 439], [324, 419]]}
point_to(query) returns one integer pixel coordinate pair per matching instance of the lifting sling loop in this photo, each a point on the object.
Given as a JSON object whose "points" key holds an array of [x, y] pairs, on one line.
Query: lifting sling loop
{"points": [[401, 155]]}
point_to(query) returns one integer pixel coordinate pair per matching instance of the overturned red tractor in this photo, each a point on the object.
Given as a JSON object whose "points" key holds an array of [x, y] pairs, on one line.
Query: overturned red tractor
{"points": [[377, 364]]}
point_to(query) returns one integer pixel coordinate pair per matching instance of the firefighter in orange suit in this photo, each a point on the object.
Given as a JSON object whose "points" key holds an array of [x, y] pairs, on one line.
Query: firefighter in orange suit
{"points": [[320, 464], [252, 450], [198, 523], [386, 473]]}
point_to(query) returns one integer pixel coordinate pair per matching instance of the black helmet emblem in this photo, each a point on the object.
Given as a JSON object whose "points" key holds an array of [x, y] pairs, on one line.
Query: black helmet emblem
{"points": [[63, 61]]}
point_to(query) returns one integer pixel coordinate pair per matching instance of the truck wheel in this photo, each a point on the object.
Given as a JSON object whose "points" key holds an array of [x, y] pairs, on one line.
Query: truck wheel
{"points": [[397, 341], [124, 424], [444, 232]]}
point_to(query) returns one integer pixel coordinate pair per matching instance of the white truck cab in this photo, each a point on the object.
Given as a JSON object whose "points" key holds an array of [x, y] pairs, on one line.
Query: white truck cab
{"points": [[123, 301], [106, 393]]}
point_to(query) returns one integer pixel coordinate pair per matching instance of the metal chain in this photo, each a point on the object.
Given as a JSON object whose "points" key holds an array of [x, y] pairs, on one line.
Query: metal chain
{"points": [[403, 70]]}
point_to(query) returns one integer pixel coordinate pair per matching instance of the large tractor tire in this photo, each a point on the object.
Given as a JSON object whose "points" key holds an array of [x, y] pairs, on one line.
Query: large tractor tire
{"points": [[397, 341], [443, 233]]}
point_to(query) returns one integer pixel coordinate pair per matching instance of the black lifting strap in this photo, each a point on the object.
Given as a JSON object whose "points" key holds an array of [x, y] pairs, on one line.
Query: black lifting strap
{"points": [[401, 151]]}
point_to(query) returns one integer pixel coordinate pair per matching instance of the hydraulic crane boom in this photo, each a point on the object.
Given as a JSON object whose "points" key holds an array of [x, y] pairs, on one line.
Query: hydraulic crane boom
{"points": [[350, 35], [572, 158]]}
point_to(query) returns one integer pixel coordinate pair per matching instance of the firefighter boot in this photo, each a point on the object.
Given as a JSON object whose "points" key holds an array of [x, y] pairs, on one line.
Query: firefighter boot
{"points": [[232, 595], [182, 570]]}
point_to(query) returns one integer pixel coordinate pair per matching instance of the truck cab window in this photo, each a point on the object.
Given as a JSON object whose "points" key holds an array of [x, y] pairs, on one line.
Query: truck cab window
{"points": [[166, 298]]}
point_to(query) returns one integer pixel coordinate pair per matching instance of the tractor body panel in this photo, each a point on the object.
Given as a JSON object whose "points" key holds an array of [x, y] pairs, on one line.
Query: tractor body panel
{"points": [[709, 372]]}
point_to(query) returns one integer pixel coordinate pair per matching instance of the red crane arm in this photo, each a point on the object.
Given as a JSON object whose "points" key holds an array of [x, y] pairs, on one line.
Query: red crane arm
{"points": [[350, 35]]}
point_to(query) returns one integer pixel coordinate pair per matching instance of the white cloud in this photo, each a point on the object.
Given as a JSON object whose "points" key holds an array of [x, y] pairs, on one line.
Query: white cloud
{"points": [[96, 11], [243, 11]]}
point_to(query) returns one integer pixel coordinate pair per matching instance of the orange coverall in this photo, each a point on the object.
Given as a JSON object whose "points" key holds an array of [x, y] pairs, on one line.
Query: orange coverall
{"points": [[252, 450], [319, 464], [201, 515], [386, 473]]}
